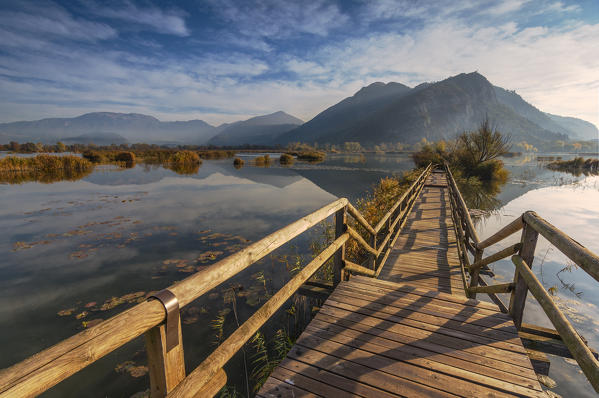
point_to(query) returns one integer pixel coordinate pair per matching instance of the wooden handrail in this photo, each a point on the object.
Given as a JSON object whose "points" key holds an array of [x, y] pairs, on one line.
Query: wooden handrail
{"points": [[47, 368], [360, 219], [576, 252], [508, 251], [421, 178], [462, 204], [225, 351], [503, 233], [570, 337]]}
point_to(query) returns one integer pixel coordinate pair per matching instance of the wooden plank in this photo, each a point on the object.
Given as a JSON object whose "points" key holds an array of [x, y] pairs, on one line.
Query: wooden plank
{"points": [[415, 354], [381, 284], [309, 384], [407, 293], [341, 382], [331, 351], [375, 375], [274, 388], [465, 315], [484, 347], [416, 337], [391, 350], [450, 327]]}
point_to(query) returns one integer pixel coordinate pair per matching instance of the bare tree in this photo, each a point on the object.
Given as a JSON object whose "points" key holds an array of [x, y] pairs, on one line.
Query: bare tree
{"points": [[484, 144]]}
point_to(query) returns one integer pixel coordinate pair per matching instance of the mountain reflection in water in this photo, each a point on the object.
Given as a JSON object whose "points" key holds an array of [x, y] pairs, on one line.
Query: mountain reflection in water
{"points": [[91, 248]]}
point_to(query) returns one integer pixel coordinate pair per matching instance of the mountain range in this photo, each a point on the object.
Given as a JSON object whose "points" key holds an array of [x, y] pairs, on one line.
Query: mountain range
{"points": [[378, 113], [393, 112]]}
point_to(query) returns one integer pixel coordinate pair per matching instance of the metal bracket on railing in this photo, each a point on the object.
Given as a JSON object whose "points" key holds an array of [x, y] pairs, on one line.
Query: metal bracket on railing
{"points": [[171, 307]]}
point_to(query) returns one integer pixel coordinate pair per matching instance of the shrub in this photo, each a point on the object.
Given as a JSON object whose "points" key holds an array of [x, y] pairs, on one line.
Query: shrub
{"points": [[309, 156], [262, 160], [94, 156], [286, 159], [186, 157], [125, 156], [238, 163]]}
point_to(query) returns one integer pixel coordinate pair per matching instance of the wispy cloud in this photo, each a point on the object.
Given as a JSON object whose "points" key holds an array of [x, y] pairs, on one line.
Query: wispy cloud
{"points": [[49, 20], [560, 7], [505, 6], [162, 21], [248, 59], [279, 20]]}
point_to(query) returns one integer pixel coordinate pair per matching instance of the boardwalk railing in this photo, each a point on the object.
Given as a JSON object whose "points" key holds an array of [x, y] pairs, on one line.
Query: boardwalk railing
{"points": [[524, 279], [158, 318]]}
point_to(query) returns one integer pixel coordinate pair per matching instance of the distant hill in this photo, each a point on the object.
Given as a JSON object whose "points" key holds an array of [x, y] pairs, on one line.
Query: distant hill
{"points": [[580, 129], [344, 115], [259, 130], [375, 114], [132, 127], [96, 138], [393, 112]]}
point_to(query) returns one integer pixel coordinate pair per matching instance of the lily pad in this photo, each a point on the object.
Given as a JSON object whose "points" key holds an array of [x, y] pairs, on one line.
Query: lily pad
{"points": [[68, 311], [81, 315]]}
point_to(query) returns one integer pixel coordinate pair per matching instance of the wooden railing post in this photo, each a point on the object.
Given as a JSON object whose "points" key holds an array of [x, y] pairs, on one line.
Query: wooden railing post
{"points": [[339, 261], [373, 244], [474, 273], [527, 252], [166, 368]]}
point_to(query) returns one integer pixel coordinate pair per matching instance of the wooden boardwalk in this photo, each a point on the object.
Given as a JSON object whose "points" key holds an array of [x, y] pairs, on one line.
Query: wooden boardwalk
{"points": [[425, 253], [412, 332]]}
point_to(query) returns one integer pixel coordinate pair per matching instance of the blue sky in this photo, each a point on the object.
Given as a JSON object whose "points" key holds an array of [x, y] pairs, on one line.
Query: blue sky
{"points": [[223, 60]]}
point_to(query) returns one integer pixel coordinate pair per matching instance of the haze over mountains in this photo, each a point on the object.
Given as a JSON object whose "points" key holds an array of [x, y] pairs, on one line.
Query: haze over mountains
{"points": [[377, 113]]}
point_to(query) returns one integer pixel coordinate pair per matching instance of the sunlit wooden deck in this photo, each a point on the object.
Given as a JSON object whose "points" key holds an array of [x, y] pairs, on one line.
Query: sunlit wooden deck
{"points": [[376, 338], [412, 332], [425, 253]]}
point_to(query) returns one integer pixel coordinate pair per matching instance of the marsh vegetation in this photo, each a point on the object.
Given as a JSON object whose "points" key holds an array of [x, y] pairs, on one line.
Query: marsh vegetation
{"points": [[576, 166]]}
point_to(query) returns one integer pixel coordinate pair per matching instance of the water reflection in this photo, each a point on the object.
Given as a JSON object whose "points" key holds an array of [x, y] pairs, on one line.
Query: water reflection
{"points": [[47, 177], [96, 245], [572, 207]]}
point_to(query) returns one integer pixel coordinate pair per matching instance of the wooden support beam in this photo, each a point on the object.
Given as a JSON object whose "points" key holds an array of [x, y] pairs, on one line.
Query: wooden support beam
{"points": [[355, 235], [415, 185], [316, 292], [548, 345], [498, 288], [166, 368], [539, 361], [503, 233], [215, 384], [358, 269], [576, 252], [502, 307], [47, 368], [527, 253], [507, 252], [201, 375], [360, 219], [579, 350], [340, 229]]}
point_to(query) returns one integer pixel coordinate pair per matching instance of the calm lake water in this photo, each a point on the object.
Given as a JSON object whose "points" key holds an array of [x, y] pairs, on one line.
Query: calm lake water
{"points": [[74, 252]]}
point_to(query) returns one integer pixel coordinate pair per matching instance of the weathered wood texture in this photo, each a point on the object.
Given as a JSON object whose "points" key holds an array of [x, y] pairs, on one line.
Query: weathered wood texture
{"points": [[579, 350], [425, 252], [384, 339]]}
